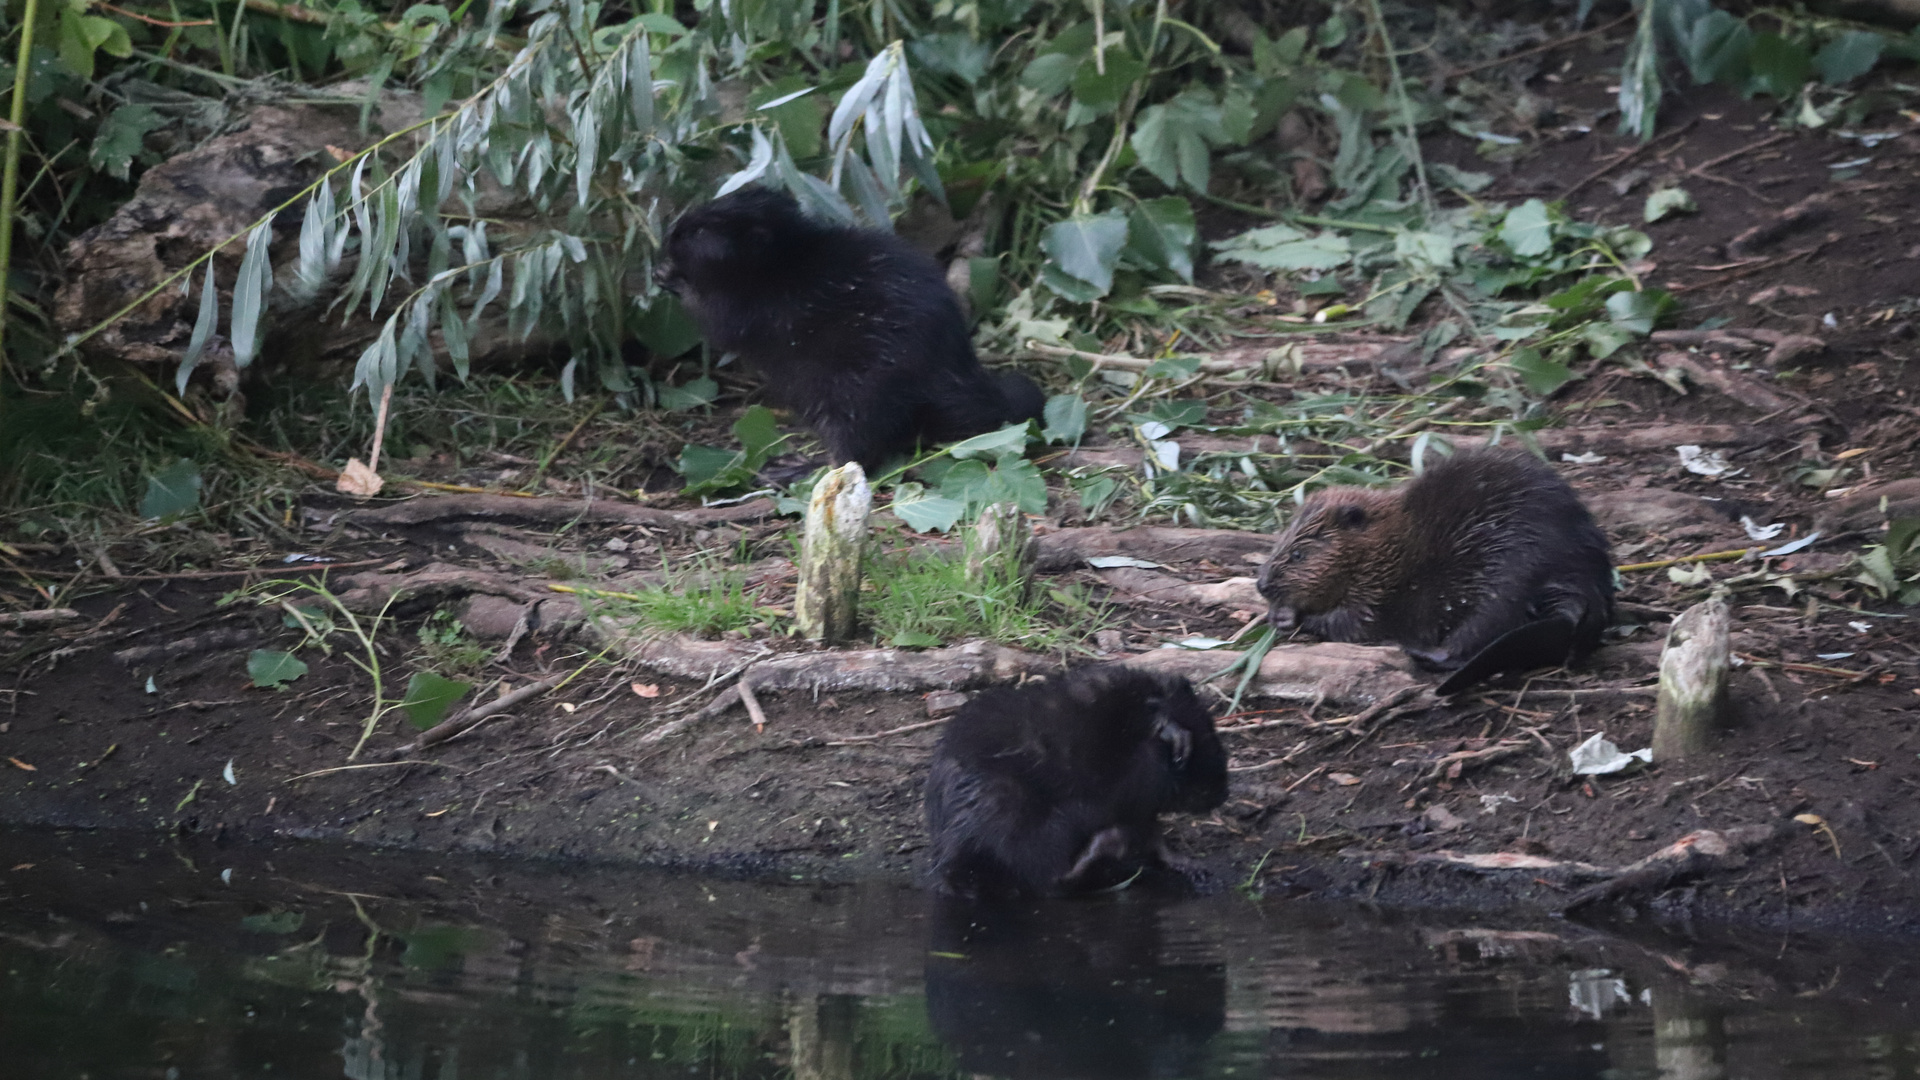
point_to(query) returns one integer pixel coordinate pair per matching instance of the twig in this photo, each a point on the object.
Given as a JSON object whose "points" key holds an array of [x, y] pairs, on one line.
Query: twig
{"points": [[751, 701], [1712, 556], [1809, 669], [42, 617], [1411, 426], [1454, 73], [362, 765], [1700, 169], [1624, 158], [1130, 363], [848, 740], [470, 719]]}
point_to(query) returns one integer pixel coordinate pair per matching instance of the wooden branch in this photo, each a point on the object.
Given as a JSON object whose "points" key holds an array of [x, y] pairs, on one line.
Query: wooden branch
{"points": [[41, 619], [472, 718], [542, 511]]}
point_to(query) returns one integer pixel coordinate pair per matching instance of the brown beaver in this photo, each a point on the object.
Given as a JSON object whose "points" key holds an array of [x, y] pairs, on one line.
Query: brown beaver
{"points": [[1486, 563], [1055, 787]]}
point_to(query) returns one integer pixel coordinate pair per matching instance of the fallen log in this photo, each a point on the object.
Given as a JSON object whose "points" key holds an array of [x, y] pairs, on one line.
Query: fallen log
{"points": [[1333, 673]]}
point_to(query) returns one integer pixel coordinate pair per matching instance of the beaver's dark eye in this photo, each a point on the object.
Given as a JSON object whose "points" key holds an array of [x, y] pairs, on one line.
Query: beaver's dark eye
{"points": [[1298, 554]]}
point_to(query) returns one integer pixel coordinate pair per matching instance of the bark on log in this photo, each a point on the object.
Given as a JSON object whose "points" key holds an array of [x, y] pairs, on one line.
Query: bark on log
{"points": [[1152, 586], [1064, 549], [1335, 673], [1693, 682], [826, 603]]}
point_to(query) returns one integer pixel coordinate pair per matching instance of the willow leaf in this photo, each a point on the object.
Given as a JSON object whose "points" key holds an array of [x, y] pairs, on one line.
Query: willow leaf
{"points": [[250, 294], [203, 325]]}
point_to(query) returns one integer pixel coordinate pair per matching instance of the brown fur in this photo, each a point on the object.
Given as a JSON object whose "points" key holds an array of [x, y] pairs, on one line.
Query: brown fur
{"points": [[1481, 546]]}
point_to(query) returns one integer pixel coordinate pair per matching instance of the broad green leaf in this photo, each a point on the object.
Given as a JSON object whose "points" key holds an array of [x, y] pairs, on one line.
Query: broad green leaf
{"points": [[798, 118], [1161, 232], [759, 434], [665, 328], [691, 395], [1528, 229], [1848, 56], [924, 511], [1424, 250], [1669, 201], [1604, 338], [1174, 140], [1065, 419], [172, 491], [121, 138], [1173, 367], [1087, 247], [953, 53], [1542, 375], [1717, 49], [1102, 92], [429, 696], [1009, 441], [703, 466], [1049, 74], [272, 669], [1068, 287], [1283, 247], [1639, 311], [1780, 67], [1018, 481]]}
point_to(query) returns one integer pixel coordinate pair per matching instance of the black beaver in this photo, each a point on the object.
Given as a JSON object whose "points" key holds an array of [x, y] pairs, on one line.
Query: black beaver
{"points": [[1055, 787], [853, 329], [1486, 563]]}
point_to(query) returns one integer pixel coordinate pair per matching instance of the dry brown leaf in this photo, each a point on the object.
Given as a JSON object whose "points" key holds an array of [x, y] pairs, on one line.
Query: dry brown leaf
{"points": [[357, 479]]}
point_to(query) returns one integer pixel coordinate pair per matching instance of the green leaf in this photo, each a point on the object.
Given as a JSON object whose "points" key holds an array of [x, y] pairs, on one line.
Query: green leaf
{"points": [[1161, 233], [1669, 201], [798, 118], [1780, 67], [1009, 441], [272, 669], [1174, 140], [706, 467], [1604, 339], [121, 138], [1049, 74], [1065, 419], [1424, 250], [1528, 229], [1087, 248], [914, 639], [1101, 93], [666, 329], [923, 511], [1848, 56], [172, 491], [1173, 367], [1639, 311], [759, 434], [1460, 180], [429, 696], [1717, 49], [1283, 247], [691, 395], [1541, 374], [1639, 95]]}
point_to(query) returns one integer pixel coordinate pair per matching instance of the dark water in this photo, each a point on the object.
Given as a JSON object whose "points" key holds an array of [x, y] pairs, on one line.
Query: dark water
{"points": [[139, 958]]}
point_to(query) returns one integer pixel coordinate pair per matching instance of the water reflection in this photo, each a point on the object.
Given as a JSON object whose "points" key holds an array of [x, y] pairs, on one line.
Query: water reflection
{"points": [[134, 958], [1067, 989]]}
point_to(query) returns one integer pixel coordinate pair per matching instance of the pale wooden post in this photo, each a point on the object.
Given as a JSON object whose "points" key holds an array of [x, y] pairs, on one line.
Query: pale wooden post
{"points": [[1002, 540], [1693, 681], [826, 605]]}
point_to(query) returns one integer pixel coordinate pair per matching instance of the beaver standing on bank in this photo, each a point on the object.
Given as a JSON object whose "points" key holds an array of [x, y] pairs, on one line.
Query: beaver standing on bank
{"points": [[1485, 563], [853, 329], [1055, 787]]}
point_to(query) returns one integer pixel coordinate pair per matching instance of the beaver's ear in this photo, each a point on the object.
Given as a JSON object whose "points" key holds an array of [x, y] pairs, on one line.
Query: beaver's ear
{"points": [[1350, 517]]}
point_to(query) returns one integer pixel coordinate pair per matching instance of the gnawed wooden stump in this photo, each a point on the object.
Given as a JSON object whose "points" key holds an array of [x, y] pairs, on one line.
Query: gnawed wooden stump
{"points": [[1693, 682], [826, 603], [1001, 547]]}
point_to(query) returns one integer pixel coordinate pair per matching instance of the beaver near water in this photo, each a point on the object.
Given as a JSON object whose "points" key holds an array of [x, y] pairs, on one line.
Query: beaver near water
{"points": [[1055, 787], [1486, 563], [853, 329]]}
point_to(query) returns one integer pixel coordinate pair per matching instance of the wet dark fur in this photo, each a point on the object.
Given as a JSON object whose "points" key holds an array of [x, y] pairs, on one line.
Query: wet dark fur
{"points": [[1486, 563], [852, 329], [1055, 787]]}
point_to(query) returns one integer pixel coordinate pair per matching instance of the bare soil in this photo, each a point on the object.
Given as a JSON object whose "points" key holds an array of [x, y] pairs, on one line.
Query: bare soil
{"points": [[1827, 698]]}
